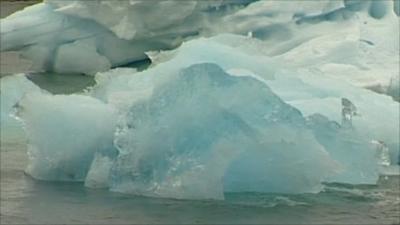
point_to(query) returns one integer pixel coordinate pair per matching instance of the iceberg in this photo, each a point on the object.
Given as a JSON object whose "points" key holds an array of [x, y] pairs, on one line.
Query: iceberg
{"points": [[310, 92], [282, 104], [205, 130], [336, 37], [59, 35], [210, 118], [194, 137]]}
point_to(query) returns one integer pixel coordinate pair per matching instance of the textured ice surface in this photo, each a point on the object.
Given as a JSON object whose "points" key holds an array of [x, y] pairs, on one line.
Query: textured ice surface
{"points": [[59, 35], [281, 109], [12, 90], [98, 175], [312, 93], [352, 40], [88, 61], [204, 132], [64, 133], [143, 19], [210, 118]]}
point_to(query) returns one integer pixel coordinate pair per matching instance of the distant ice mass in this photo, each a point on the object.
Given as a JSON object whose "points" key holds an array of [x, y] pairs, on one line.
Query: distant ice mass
{"points": [[356, 41], [240, 96]]}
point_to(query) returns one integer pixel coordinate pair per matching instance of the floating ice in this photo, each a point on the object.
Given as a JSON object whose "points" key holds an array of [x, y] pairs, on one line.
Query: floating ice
{"points": [[356, 41], [60, 35], [204, 132], [200, 133], [12, 90], [282, 109], [88, 61], [186, 128], [98, 175], [310, 92], [64, 133]]}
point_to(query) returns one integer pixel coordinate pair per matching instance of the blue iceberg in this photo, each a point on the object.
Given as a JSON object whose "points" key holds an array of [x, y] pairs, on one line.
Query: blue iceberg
{"points": [[282, 105], [207, 119]]}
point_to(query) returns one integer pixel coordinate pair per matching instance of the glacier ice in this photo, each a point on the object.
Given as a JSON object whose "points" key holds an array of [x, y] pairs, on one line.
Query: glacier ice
{"points": [[205, 130], [64, 133], [206, 119], [12, 90], [88, 61], [310, 92], [55, 34], [283, 109], [98, 175], [195, 136], [336, 37]]}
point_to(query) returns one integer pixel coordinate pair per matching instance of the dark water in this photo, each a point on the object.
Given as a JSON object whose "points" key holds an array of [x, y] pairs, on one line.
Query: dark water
{"points": [[27, 201]]}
